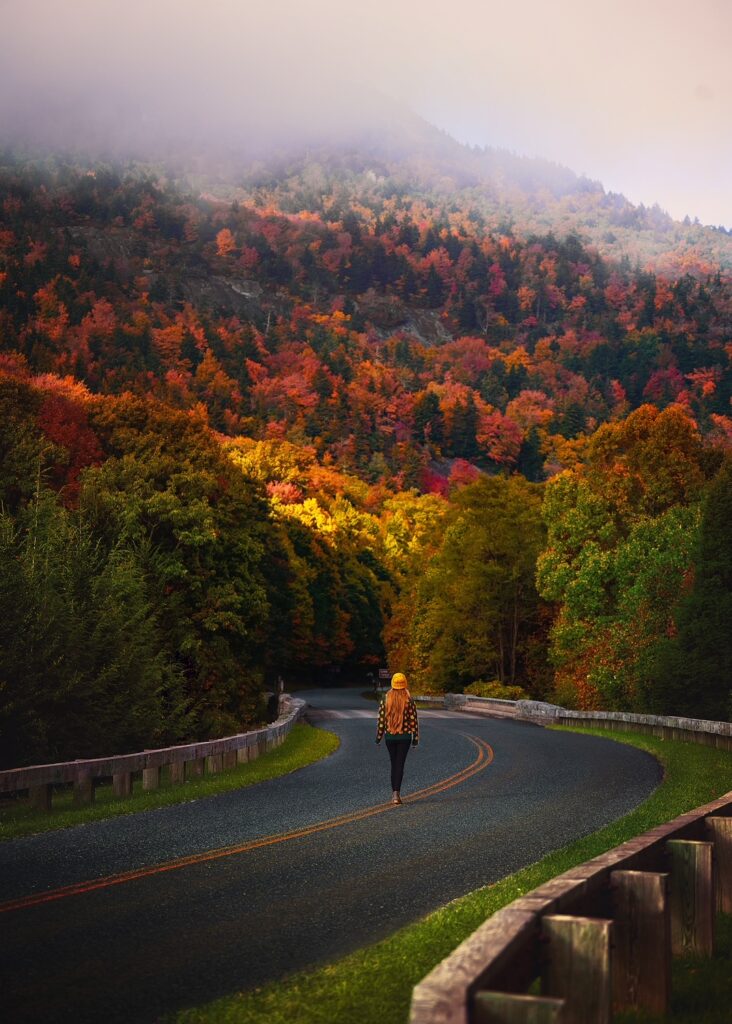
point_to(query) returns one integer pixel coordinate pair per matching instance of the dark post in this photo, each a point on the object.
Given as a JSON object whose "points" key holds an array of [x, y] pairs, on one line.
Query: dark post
{"points": [[578, 967], [83, 790], [692, 897], [151, 778], [642, 941], [40, 797], [720, 831], [122, 784]]}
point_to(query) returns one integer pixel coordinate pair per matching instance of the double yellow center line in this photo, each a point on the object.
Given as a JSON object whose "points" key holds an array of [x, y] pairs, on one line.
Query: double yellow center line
{"points": [[483, 759]]}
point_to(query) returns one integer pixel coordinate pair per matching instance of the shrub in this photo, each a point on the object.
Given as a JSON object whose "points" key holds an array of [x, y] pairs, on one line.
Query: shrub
{"points": [[497, 690]]}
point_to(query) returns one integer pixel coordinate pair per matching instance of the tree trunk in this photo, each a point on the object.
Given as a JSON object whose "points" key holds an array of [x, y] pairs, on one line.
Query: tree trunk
{"points": [[514, 637]]}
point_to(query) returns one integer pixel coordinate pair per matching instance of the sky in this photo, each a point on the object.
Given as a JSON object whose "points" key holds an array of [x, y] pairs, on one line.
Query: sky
{"points": [[637, 95]]}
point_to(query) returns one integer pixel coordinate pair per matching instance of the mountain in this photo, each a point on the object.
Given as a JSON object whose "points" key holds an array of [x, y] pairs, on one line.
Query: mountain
{"points": [[359, 138], [254, 404], [340, 295], [392, 149]]}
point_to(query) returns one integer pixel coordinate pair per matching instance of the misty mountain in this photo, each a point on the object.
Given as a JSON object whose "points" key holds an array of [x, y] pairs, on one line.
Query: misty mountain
{"points": [[350, 129], [397, 152], [243, 125]]}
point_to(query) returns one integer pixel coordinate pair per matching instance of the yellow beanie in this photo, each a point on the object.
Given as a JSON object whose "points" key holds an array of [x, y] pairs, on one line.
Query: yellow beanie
{"points": [[398, 681]]}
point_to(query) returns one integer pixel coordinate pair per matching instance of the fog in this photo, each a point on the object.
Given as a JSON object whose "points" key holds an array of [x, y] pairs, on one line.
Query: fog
{"points": [[637, 95]]}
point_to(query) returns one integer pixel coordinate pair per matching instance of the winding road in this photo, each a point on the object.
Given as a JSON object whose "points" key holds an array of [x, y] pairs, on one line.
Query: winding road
{"points": [[135, 917]]}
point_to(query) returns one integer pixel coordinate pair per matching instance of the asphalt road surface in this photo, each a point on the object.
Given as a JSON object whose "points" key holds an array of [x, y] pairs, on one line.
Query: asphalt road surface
{"points": [[129, 919]]}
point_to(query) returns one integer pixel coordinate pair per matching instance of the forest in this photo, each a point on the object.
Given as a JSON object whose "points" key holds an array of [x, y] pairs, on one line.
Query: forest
{"points": [[319, 420]]}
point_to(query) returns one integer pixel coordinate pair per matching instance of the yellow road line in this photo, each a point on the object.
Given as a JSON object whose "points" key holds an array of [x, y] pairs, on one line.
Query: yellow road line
{"points": [[483, 759]]}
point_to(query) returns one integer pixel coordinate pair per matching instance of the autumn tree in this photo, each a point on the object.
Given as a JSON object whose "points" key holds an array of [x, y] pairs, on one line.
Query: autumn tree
{"points": [[477, 605], [166, 488], [621, 529], [225, 242]]}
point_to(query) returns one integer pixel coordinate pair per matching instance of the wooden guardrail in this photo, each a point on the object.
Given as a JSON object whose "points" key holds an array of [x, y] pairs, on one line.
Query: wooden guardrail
{"points": [[598, 938], [190, 760]]}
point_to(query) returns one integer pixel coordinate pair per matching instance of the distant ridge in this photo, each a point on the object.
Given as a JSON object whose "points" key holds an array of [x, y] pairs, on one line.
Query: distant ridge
{"points": [[219, 148]]}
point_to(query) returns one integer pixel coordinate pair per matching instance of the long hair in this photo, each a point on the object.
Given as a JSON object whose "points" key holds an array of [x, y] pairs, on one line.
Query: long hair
{"points": [[396, 702]]}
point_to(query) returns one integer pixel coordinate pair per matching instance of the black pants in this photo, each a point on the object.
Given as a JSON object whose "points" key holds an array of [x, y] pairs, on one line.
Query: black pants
{"points": [[398, 750]]}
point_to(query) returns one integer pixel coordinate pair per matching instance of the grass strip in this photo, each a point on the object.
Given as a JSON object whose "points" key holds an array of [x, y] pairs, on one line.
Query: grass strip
{"points": [[701, 988], [304, 745], [374, 984]]}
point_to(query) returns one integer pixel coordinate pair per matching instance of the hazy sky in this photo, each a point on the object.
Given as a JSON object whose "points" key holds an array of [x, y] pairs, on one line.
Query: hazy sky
{"points": [[635, 93]]}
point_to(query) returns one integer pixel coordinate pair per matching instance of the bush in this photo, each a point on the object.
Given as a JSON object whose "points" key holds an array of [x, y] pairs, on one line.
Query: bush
{"points": [[497, 690]]}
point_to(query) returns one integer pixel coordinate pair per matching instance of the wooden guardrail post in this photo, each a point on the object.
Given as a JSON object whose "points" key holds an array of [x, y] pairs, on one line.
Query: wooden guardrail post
{"points": [[641, 941], [507, 1008], [578, 967], [195, 768], [692, 896], [242, 755], [151, 778], [122, 784], [214, 764], [83, 789], [720, 832], [177, 772], [40, 797], [229, 760]]}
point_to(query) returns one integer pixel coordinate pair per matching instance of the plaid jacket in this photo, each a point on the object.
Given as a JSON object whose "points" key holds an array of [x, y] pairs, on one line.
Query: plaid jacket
{"points": [[410, 722]]}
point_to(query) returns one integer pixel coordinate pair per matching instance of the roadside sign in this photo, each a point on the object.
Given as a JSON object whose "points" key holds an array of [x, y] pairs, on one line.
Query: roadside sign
{"points": [[383, 673]]}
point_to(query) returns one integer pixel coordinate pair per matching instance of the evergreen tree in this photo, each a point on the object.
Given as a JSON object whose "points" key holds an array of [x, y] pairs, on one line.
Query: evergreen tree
{"points": [[467, 314], [463, 440], [573, 421], [409, 284], [431, 242], [435, 289], [84, 671], [429, 422], [692, 674], [530, 460]]}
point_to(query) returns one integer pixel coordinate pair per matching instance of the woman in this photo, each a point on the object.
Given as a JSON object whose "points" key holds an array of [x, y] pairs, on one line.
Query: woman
{"points": [[398, 719]]}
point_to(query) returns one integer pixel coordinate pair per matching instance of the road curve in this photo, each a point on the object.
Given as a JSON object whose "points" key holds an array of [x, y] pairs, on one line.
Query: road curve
{"points": [[131, 918]]}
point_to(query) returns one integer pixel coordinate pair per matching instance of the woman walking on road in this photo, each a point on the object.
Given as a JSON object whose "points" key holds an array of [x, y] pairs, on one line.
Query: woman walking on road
{"points": [[398, 720]]}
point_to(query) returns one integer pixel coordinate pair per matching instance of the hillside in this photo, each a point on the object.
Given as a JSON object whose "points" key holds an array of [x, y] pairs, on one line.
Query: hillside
{"points": [[531, 195], [298, 421], [388, 331]]}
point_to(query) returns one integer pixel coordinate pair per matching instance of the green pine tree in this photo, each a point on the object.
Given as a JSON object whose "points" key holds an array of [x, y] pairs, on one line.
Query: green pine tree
{"points": [[692, 673]]}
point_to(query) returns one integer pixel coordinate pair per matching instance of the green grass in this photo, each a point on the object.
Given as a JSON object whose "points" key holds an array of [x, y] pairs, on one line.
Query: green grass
{"points": [[374, 985], [701, 989], [303, 746]]}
